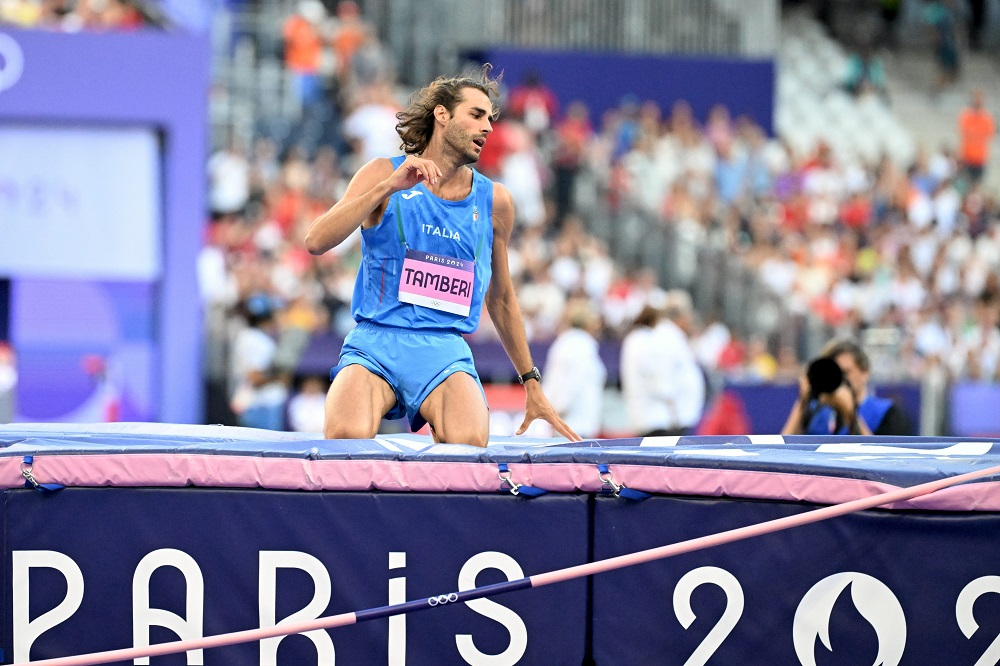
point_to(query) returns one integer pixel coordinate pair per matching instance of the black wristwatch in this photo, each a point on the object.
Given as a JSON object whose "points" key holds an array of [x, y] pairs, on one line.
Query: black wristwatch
{"points": [[530, 374]]}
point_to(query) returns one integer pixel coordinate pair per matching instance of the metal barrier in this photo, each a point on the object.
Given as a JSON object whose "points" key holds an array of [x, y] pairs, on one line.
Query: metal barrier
{"points": [[430, 37], [684, 256]]}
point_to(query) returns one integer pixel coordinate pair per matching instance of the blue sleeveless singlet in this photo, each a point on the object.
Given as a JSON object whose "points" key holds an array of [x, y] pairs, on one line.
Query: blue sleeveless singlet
{"points": [[419, 221]]}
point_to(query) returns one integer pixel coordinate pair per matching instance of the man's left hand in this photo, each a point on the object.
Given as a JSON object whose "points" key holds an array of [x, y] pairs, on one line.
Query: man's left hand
{"points": [[537, 406]]}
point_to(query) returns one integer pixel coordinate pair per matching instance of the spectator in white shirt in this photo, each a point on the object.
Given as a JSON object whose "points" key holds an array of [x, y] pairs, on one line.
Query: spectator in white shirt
{"points": [[574, 373], [676, 360], [259, 397], [662, 383], [8, 382], [306, 408], [229, 179], [371, 125], [521, 172], [542, 304], [640, 381]]}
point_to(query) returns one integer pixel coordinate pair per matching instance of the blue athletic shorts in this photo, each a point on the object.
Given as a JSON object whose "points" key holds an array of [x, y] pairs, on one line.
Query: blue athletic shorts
{"points": [[413, 362]]}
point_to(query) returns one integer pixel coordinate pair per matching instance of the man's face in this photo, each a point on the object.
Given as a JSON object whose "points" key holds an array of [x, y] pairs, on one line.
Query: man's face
{"points": [[853, 375], [465, 132]]}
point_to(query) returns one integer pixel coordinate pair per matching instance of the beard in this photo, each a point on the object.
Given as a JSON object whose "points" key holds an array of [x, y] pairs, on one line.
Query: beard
{"points": [[461, 143]]}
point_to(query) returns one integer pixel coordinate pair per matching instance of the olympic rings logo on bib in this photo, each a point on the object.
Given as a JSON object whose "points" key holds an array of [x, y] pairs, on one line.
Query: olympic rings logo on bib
{"points": [[443, 599], [438, 282]]}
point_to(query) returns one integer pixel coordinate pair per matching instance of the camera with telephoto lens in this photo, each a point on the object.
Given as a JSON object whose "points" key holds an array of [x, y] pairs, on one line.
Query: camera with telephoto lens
{"points": [[824, 376]]}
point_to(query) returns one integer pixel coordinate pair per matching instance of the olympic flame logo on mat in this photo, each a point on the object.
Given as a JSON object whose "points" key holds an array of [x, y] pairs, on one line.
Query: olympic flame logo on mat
{"points": [[11, 62], [443, 599], [874, 601]]}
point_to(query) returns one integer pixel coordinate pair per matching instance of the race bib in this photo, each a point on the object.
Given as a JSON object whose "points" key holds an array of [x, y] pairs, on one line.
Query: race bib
{"points": [[437, 282]]}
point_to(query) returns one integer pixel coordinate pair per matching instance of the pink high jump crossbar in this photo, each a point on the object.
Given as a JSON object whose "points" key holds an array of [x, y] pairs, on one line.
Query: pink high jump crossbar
{"points": [[538, 580]]}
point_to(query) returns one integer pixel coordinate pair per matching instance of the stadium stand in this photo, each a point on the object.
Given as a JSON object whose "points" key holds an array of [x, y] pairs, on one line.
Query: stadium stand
{"points": [[858, 225]]}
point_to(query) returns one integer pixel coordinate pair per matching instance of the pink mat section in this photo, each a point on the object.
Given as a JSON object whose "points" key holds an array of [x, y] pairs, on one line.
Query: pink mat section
{"points": [[215, 470]]}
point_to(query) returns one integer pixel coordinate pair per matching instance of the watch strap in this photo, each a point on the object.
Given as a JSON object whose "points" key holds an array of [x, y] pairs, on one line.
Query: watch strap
{"points": [[530, 374]]}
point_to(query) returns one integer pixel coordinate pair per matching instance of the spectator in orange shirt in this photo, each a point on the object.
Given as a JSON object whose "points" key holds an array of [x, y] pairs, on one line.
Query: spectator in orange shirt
{"points": [[304, 48], [350, 34], [976, 129]]}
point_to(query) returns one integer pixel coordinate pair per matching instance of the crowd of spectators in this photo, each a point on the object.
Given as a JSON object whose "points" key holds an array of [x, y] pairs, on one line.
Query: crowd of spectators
{"points": [[913, 248], [72, 15]]}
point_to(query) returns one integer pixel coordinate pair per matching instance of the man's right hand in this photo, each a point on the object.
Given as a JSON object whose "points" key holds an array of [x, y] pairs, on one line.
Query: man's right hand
{"points": [[412, 171]]}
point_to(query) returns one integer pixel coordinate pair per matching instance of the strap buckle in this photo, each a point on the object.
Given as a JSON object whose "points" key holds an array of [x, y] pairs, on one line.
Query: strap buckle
{"points": [[31, 482], [608, 481], [29, 478], [618, 489], [505, 480]]}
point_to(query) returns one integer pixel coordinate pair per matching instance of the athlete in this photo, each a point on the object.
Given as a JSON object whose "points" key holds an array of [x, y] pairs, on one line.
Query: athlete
{"points": [[434, 237]]}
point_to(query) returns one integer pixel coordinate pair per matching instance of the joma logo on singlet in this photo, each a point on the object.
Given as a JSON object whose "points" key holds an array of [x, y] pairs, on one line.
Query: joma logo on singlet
{"points": [[440, 231]]}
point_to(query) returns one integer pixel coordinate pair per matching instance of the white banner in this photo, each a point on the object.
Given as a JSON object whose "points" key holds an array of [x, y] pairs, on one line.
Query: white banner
{"points": [[80, 203]]}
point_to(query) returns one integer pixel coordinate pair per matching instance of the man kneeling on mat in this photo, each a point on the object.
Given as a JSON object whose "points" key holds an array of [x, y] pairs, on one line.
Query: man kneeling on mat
{"points": [[434, 237]]}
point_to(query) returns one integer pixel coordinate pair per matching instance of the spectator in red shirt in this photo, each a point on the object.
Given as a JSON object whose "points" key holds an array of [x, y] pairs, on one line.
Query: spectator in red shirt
{"points": [[533, 103], [856, 212]]}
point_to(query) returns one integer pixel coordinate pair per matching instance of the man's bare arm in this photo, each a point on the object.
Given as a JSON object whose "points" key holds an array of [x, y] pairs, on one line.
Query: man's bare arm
{"points": [[365, 200], [501, 303]]}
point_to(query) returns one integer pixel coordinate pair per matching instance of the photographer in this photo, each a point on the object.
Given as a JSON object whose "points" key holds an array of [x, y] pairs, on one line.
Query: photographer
{"points": [[834, 398]]}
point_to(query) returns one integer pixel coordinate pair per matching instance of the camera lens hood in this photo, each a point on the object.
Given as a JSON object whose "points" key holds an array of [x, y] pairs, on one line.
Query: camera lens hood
{"points": [[824, 376]]}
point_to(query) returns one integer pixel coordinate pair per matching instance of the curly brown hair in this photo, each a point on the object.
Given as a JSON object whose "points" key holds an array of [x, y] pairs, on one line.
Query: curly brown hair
{"points": [[416, 122]]}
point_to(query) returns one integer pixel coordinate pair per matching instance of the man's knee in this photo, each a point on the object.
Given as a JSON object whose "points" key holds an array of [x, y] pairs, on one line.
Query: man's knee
{"points": [[479, 438], [348, 430], [471, 436]]}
